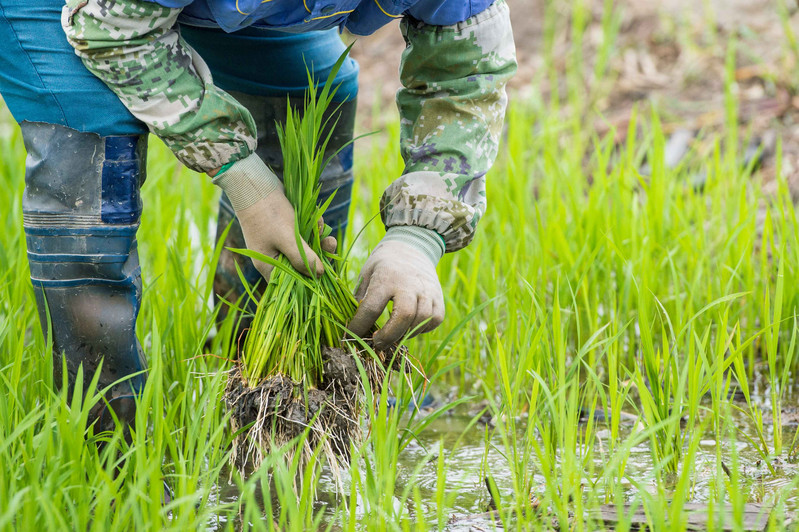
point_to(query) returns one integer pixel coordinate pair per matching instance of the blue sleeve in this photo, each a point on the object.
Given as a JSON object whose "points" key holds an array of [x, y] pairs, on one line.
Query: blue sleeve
{"points": [[172, 4], [447, 12]]}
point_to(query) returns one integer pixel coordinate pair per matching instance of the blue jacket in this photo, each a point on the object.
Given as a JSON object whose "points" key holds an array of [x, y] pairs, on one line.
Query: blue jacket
{"points": [[360, 17]]}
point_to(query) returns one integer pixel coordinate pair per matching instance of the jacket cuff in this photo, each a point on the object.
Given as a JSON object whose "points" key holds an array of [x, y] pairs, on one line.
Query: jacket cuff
{"points": [[247, 181], [426, 241]]}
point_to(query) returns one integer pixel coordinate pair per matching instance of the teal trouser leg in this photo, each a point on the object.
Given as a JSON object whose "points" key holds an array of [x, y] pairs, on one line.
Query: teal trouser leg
{"points": [[42, 80], [273, 63]]}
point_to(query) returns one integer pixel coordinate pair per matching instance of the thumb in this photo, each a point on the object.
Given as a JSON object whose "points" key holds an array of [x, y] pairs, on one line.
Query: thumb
{"points": [[292, 253], [363, 283], [329, 244]]}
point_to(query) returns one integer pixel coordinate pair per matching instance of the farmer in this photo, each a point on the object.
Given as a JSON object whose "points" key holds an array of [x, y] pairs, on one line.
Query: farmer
{"points": [[88, 80]]}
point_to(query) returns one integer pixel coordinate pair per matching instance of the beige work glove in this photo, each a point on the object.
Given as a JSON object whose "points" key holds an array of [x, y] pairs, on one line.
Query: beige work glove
{"points": [[402, 269], [266, 216]]}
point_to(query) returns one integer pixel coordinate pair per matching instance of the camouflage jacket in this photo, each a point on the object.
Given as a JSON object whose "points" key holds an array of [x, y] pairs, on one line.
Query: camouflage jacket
{"points": [[452, 103]]}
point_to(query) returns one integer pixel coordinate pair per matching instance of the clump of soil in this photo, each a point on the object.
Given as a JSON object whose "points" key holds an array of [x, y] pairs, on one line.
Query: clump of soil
{"points": [[279, 409]]}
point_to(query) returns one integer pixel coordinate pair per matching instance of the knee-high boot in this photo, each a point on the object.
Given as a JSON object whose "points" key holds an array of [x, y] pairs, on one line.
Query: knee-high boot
{"points": [[81, 212]]}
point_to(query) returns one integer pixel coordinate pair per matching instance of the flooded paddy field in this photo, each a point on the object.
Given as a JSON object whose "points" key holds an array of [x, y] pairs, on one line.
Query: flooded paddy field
{"points": [[471, 454], [621, 335]]}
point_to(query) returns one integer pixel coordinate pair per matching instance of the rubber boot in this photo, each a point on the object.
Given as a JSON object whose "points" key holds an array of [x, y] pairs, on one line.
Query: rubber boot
{"points": [[81, 211], [337, 177]]}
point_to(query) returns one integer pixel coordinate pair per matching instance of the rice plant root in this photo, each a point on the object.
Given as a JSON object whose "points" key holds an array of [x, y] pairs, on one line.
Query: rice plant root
{"points": [[276, 411]]}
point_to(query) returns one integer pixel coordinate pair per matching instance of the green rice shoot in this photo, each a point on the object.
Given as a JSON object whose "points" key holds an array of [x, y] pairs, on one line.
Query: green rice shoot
{"points": [[297, 315]]}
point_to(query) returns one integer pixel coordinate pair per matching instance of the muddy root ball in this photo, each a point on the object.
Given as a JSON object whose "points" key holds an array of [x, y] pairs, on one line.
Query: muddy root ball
{"points": [[278, 409]]}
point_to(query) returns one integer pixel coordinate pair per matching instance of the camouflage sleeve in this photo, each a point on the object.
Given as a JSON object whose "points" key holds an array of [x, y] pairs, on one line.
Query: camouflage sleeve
{"points": [[135, 48], [451, 109]]}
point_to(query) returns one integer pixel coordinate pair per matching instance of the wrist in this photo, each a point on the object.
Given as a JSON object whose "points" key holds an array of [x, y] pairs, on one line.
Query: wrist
{"points": [[246, 182], [424, 240]]}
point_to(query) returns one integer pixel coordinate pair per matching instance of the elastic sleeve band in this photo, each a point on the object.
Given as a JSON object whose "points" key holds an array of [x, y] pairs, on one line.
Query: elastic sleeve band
{"points": [[427, 241], [225, 168], [247, 181]]}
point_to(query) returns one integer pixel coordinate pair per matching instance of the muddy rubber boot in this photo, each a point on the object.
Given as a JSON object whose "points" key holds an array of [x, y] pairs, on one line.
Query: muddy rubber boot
{"points": [[81, 211], [337, 177]]}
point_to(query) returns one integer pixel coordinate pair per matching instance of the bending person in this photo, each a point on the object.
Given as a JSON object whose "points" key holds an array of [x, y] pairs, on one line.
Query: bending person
{"points": [[210, 77]]}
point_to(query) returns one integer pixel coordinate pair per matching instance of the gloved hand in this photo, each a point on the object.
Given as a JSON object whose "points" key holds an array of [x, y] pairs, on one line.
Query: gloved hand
{"points": [[402, 269], [265, 215]]}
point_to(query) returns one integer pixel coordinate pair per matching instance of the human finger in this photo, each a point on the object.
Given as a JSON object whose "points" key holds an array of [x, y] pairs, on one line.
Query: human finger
{"points": [[292, 252], [436, 316], [424, 311], [369, 309], [402, 317], [329, 244]]}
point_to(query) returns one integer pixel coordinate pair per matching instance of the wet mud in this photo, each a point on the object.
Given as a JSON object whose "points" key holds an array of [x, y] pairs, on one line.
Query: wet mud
{"points": [[278, 410]]}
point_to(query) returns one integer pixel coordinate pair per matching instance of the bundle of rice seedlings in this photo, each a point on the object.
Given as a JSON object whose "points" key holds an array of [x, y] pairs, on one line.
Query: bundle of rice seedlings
{"points": [[295, 371]]}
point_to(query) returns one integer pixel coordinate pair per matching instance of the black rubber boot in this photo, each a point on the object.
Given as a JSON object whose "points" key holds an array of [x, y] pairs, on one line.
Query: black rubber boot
{"points": [[81, 212], [337, 177]]}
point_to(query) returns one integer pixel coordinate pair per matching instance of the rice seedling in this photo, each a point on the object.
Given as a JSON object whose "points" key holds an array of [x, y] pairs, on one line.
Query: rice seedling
{"points": [[614, 337], [295, 370]]}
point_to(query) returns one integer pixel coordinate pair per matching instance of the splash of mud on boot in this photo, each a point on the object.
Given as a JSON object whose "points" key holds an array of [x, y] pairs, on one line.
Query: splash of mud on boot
{"points": [[280, 409]]}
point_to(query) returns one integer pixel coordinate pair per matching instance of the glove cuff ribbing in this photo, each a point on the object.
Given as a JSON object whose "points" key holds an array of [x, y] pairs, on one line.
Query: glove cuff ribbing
{"points": [[247, 181], [424, 240]]}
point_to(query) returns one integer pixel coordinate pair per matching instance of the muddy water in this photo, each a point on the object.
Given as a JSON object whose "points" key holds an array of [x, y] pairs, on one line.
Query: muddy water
{"points": [[469, 499]]}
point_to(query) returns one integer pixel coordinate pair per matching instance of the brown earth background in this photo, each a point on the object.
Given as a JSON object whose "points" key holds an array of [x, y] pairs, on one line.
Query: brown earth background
{"points": [[670, 53]]}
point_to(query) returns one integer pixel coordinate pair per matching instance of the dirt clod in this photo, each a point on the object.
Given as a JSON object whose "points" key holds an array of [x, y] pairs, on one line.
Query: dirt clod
{"points": [[278, 409]]}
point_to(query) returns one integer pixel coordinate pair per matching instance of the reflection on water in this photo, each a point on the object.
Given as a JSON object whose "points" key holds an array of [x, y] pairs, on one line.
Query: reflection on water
{"points": [[465, 451]]}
